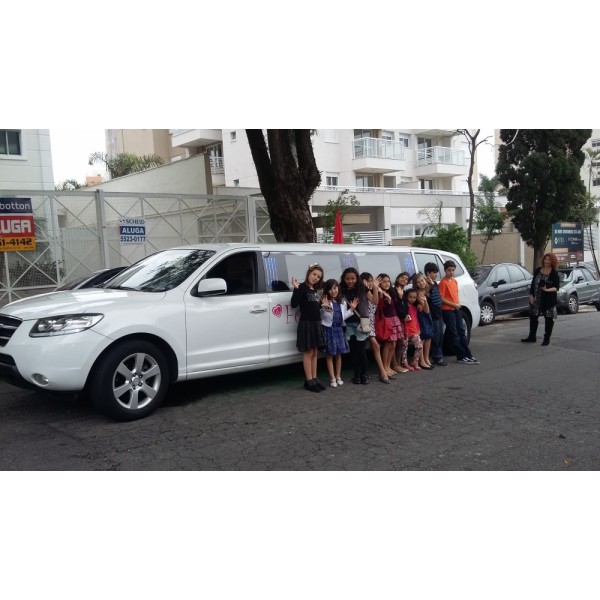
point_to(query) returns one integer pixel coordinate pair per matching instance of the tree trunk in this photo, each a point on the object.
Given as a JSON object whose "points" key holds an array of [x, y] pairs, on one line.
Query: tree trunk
{"points": [[287, 182]]}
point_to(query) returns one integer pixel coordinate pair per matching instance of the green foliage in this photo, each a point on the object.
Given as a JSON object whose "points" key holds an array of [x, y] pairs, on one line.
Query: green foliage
{"points": [[343, 203], [451, 238], [125, 163], [488, 217], [542, 170], [68, 185]]}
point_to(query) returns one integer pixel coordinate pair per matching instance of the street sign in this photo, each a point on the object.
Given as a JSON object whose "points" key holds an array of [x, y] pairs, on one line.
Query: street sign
{"points": [[17, 228], [567, 241]]}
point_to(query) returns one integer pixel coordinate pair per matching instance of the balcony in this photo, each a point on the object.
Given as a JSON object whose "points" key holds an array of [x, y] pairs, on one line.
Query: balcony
{"points": [[440, 161], [216, 165], [375, 155], [195, 138]]}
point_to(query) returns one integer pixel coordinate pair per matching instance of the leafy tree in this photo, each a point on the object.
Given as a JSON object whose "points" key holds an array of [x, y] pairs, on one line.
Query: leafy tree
{"points": [[288, 176], [125, 163], [471, 136], [488, 217], [584, 212], [343, 203], [451, 238], [542, 170], [68, 185], [592, 155]]}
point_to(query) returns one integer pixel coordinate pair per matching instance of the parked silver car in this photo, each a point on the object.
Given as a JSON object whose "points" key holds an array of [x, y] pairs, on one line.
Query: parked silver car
{"points": [[503, 289], [578, 285]]}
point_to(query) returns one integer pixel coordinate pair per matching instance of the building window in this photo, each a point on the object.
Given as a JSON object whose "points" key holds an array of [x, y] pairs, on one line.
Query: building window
{"points": [[233, 136], [387, 135], [362, 133], [596, 143], [365, 181], [236, 183], [10, 142], [404, 138], [331, 180], [412, 230]]}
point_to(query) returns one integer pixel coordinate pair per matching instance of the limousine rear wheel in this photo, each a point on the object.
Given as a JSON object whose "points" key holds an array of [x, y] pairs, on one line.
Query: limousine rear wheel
{"points": [[130, 381]]}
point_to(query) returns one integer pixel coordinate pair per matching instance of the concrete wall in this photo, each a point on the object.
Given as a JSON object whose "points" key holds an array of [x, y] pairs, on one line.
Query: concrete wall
{"points": [[32, 170], [186, 176]]}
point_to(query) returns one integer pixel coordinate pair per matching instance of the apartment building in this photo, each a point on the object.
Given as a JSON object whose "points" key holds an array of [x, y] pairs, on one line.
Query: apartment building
{"points": [[395, 173], [25, 160], [142, 141]]}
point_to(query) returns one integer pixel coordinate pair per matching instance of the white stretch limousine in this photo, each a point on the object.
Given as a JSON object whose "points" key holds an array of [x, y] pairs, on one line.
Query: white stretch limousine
{"points": [[183, 313]]}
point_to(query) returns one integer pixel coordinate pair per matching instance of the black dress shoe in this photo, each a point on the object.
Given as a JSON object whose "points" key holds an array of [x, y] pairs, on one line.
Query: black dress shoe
{"points": [[311, 386], [530, 340], [365, 379], [319, 384]]}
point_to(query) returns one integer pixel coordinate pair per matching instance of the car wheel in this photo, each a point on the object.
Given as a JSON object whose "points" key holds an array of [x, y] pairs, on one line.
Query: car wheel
{"points": [[488, 314], [130, 381], [572, 304], [597, 305]]}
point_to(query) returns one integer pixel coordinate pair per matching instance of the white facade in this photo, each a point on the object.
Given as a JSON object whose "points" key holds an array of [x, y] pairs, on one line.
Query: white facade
{"points": [[394, 173], [25, 159]]}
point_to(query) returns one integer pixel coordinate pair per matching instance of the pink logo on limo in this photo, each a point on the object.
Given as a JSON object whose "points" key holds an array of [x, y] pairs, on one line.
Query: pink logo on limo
{"points": [[277, 310]]}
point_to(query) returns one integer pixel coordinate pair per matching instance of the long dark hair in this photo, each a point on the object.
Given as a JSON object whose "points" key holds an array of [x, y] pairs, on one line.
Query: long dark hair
{"points": [[359, 284], [328, 286]]}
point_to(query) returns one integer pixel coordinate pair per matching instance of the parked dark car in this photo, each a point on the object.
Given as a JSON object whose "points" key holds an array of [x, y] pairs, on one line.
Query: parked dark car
{"points": [[578, 285], [503, 289], [95, 279]]}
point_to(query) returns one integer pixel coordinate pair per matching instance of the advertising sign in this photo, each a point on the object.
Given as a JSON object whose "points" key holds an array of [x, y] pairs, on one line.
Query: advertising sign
{"points": [[567, 241], [17, 228], [132, 231]]}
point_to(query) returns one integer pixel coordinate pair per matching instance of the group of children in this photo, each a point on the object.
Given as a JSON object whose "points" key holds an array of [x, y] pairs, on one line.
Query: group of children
{"points": [[339, 317]]}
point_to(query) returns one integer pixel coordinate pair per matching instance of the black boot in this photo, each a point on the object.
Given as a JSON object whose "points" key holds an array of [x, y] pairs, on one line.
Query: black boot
{"points": [[533, 325], [549, 326]]}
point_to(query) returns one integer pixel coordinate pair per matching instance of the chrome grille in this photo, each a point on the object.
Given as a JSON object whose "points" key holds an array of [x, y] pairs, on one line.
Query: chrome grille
{"points": [[8, 325]]}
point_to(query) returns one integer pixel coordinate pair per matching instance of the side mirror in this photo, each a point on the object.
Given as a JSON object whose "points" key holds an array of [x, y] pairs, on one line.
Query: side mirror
{"points": [[579, 279], [211, 287], [502, 282]]}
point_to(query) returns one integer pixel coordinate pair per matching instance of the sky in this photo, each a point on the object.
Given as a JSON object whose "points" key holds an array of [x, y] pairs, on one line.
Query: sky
{"points": [[71, 149]]}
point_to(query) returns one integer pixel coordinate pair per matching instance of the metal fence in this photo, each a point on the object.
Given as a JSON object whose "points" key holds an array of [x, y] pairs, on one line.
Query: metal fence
{"points": [[79, 232]]}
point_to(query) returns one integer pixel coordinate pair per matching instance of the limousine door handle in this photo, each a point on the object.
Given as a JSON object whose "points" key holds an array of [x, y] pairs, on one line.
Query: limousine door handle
{"points": [[258, 309]]}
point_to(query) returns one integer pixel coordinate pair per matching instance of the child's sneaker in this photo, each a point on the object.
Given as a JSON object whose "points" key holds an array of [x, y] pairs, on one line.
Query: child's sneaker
{"points": [[464, 361], [339, 381], [333, 383], [473, 360]]}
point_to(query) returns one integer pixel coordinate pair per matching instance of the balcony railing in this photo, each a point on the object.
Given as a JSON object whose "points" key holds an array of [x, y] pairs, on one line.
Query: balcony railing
{"points": [[377, 148], [216, 165], [419, 192], [440, 154], [356, 237]]}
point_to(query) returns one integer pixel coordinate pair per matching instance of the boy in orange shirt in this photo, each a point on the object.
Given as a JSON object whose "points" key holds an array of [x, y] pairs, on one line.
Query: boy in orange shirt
{"points": [[452, 316]]}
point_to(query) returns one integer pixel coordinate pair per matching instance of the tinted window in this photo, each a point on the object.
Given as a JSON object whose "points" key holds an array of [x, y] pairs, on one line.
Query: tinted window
{"points": [[501, 272], [239, 272], [422, 258], [588, 276], [515, 273], [392, 264], [480, 273], [459, 270]]}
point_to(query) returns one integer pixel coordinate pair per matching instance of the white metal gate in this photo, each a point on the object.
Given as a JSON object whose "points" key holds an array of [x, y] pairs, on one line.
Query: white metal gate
{"points": [[78, 232]]}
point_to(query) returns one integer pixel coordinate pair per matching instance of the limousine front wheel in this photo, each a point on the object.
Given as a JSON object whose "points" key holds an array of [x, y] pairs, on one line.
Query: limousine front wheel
{"points": [[130, 381]]}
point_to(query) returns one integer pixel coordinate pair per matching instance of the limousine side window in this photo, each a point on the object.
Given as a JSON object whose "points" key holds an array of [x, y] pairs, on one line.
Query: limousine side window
{"points": [[280, 267], [239, 272], [392, 264]]}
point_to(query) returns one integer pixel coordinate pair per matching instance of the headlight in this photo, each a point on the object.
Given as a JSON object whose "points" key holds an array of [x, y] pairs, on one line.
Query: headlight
{"points": [[64, 324]]}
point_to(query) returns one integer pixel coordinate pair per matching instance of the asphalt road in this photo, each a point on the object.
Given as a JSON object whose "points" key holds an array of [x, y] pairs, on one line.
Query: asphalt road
{"points": [[523, 408]]}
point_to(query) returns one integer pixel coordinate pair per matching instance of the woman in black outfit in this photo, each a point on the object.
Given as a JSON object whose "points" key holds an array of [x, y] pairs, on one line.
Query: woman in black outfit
{"points": [[543, 298]]}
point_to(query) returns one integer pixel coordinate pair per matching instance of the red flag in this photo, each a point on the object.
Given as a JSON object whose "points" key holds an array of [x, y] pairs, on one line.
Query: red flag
{"points": [[338, 234]]}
